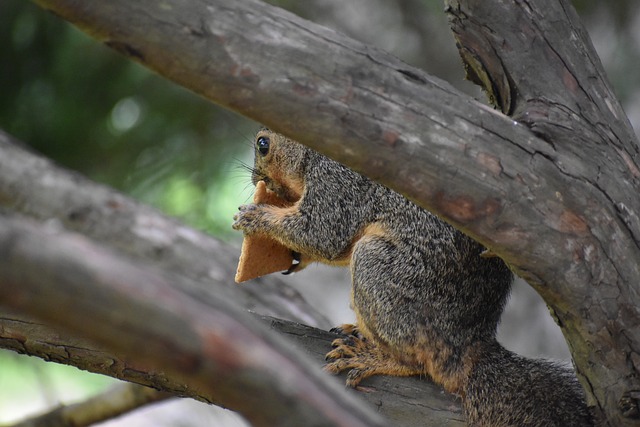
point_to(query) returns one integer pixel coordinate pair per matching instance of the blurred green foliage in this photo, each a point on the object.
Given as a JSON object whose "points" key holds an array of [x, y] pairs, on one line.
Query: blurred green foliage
{"points": [[94, 111], [29, 385]]}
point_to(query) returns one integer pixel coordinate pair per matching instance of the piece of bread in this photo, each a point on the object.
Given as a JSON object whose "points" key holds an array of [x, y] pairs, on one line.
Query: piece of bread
{"points": [[260, 254]]}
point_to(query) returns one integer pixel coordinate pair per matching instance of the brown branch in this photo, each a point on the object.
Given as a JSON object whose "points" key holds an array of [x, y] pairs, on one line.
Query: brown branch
{"points": [[564, 215], [560, 91], [25, 335], [407, 401], [33, 185], [117, 400], [208, 343], [151, 332]]}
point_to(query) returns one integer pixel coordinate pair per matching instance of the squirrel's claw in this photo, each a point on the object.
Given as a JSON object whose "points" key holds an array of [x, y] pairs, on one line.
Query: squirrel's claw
{"points": [[342, 348], [363, 358], [352, 354], [346, 329]]}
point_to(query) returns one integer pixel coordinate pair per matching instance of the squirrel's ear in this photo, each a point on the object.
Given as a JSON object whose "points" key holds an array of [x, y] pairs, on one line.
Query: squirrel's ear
{"points": [[262, 145]]}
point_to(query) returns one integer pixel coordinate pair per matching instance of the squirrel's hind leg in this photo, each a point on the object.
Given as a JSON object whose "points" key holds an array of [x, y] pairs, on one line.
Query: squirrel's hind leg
{"points": [[363, 358], [373, 345]]}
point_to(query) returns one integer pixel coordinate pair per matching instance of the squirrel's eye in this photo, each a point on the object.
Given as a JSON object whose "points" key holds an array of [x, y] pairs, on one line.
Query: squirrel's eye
{"points": [[263, 145]]}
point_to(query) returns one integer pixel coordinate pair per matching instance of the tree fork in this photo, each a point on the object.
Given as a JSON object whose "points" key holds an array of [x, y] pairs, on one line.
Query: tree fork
{"points": [[560, 91]]}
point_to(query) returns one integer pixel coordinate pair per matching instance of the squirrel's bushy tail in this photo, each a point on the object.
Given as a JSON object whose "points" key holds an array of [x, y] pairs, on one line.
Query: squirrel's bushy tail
{"points": [[504, 389]]}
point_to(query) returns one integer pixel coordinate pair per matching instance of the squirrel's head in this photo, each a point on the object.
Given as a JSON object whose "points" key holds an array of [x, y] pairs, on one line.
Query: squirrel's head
{"points": [[280, 162]]}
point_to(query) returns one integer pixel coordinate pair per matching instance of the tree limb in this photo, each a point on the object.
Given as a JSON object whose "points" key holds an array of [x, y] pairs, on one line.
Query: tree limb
{"points": [[564, 215], [207, 343], [116, 401], [406, 401], [33, 185]]}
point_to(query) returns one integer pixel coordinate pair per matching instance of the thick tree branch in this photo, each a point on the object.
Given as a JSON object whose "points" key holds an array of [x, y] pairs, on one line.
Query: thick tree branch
{"points": [[25, 335], [546, 73], [33, 185], [207, 343], [562, 214], [405, 401], [153, 331]]}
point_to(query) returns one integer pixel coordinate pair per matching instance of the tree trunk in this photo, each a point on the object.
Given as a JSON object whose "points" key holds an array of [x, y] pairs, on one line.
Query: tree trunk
{"points": [[552, 189], [546, 74]]}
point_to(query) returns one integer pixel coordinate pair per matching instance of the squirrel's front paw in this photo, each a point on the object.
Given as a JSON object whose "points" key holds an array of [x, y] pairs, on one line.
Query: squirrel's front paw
{"points": [[248, 218]]}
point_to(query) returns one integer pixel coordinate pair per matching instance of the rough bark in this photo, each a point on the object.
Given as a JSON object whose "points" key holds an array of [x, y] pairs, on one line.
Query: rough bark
{"points": [[552, 193], [546, 74], [406, 401], [194, 345]]}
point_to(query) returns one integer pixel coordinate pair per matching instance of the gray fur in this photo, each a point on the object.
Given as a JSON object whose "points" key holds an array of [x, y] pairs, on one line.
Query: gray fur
{"points": [[419, 281]]}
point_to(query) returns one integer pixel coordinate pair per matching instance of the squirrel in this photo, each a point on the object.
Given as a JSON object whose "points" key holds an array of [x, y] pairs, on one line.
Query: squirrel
{"points": [[427, 302]]}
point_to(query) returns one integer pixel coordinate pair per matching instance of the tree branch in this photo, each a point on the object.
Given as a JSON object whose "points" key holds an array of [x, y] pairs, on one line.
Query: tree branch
{"points": [[33, 185], [406, 401], [156, 322], [564, 215], [116, 401]]}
